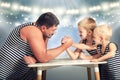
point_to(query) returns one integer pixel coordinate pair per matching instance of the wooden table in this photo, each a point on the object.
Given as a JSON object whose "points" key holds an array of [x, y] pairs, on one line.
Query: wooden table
{"points": [[66, 62]]}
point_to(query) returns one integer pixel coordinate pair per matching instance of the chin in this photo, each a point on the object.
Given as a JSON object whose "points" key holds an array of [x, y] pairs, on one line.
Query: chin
{"points": [[49, 36]]}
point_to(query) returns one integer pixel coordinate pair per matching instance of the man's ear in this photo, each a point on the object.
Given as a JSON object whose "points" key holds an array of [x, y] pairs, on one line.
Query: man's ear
{"points": [[43, 28]]}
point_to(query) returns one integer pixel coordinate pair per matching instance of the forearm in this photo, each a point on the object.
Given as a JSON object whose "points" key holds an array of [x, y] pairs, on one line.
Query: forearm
{"points": [[52, 53], [89, 57], [44, 55], [83, 46], [72, 54], [105, 57]]}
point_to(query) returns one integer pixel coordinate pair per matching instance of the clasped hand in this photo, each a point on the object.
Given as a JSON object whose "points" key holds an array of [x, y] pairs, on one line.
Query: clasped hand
{"points": [[67, 40]]}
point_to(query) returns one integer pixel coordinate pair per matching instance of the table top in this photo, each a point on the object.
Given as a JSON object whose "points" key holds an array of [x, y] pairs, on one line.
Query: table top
{"points": [[66, 62]]}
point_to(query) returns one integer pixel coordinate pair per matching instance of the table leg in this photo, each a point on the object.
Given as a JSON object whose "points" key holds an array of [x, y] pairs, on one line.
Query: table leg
{"points": [[44, 75], [39, 74], [89, 73], [96, 70]]}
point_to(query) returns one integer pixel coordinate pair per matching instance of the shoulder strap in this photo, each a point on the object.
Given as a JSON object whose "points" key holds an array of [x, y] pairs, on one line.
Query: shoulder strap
{"points": [[84, 41]]}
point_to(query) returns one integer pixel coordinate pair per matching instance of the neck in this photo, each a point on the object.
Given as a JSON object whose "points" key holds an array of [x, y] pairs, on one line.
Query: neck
{"points": [[45, 40], [89, 39]]}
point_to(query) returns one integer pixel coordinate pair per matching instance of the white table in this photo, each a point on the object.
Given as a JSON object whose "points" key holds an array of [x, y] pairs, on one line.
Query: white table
{"points": [[66, 62]]}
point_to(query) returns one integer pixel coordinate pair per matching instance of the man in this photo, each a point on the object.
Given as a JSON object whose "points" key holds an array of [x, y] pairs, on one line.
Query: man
{"points": [[29, 39]]}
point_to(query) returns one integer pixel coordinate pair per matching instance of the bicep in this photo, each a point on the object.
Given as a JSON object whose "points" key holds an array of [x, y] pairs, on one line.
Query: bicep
{"points": [[37, 44]]}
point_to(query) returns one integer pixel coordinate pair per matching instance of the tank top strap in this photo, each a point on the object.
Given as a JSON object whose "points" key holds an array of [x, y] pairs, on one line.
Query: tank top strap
{"points": [[84, 41], [29, 24]]}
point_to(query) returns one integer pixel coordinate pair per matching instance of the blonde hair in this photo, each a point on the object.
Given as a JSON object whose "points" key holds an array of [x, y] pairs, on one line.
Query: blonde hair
{"points": [[87, 23], [103, 31]]}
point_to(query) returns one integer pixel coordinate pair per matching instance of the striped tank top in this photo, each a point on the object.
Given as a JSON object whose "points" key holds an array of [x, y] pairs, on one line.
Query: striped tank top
{"points": [[91, 52], [12, 65], [111, 70]]}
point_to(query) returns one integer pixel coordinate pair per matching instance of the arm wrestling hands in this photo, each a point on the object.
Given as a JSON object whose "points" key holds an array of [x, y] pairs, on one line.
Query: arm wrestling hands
{"points": [[66, 42]]}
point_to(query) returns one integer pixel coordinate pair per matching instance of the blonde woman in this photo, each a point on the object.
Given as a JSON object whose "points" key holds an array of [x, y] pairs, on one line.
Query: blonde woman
{"points": [[109, 52]]}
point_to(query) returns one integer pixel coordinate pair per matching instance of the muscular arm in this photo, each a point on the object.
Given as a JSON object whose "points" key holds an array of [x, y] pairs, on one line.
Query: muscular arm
{"points": [[38, 46]]}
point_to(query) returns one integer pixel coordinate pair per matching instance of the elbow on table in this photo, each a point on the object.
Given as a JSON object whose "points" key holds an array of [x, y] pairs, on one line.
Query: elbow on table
{"points": [[43, 60]]}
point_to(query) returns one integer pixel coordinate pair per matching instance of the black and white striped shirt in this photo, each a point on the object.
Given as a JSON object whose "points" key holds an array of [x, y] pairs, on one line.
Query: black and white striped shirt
{"points": [[91, 52], [12, 65], [111, 70]]}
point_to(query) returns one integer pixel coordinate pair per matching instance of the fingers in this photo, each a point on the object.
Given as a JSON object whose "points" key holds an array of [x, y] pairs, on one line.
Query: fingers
{"points": [[26, 59], [29, 60], [66, 39]]}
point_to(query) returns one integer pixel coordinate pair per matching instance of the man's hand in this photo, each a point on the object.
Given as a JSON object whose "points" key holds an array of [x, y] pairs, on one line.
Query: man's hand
{"points": [[29, 60], [67, 41], [64, 39]]}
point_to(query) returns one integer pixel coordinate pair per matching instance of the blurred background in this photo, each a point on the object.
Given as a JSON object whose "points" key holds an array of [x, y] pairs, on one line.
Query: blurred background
{"points": [[69, 12]]}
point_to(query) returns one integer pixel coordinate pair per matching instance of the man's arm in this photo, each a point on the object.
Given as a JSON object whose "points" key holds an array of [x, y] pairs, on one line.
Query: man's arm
{"points": [[38, 46]]}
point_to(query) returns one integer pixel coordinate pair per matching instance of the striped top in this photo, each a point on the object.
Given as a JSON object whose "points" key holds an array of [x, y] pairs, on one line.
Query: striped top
{"points": [[111, 70], [91, 52], [12, 65]]}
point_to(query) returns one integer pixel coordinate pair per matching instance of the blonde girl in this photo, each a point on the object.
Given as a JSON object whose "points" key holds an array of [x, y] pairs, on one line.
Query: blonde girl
{"points": [[85, 27]]}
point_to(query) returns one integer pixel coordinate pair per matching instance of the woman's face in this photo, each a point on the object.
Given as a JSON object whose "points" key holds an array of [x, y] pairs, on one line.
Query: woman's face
{"points": [[82, 32]]}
